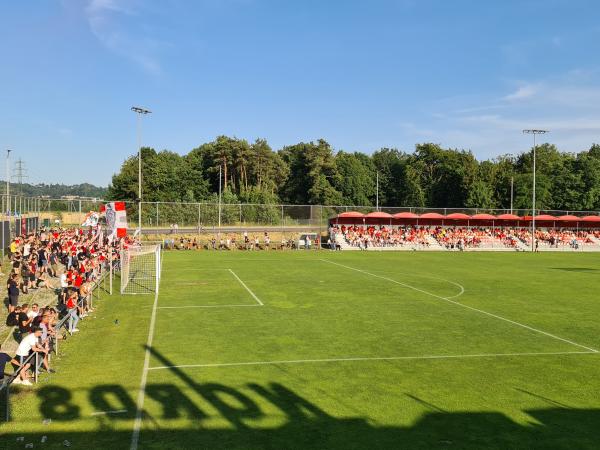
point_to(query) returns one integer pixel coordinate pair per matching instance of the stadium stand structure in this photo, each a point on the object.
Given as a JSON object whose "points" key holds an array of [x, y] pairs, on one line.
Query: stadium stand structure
{"points": [[482, 232]]}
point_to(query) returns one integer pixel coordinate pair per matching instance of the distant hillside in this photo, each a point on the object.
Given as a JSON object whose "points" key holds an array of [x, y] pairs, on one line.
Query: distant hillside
{"points": [[54, 190]]}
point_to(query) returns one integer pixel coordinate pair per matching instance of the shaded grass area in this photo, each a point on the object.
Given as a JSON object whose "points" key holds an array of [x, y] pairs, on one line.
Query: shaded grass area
{"points": [[315, 310]]}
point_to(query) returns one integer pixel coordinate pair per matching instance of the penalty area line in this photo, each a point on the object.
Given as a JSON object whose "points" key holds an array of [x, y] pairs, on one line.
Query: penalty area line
{"points": [[481, 311], [367, 359], [209, 306], [247, 288]]}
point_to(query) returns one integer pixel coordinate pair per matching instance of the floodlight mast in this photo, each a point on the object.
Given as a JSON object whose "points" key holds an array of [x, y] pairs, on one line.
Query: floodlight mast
{"points": [[534, 132], [377, 192], [140, 112]]}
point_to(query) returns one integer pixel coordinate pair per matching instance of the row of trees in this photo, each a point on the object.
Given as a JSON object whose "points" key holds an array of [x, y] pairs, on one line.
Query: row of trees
{"points": [[314, 173], [53, 190]]}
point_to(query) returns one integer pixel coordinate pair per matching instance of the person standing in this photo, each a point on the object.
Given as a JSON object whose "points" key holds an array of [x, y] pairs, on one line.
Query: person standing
{"points": [[13, 292], [13, 248], [4, 358], [53, 264], [72, 308], [43, 259]]}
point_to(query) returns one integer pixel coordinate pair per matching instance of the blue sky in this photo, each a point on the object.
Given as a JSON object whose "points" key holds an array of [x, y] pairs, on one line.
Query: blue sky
{"points": [[361, 74]]}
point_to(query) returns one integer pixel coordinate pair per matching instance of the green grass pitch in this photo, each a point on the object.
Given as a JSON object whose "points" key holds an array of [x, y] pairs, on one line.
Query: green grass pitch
{"points": [[324, 350]]}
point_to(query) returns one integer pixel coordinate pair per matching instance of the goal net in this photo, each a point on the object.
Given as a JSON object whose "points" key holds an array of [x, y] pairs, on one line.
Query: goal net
{"points": [[140, 269]]}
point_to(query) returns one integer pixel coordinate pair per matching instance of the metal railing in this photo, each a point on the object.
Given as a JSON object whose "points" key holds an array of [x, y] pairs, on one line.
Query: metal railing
{"points": [[9, 379], [98, 286]]}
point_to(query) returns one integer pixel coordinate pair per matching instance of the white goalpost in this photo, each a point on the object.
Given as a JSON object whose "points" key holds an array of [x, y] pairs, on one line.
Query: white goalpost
{"points": [[140, 269]]}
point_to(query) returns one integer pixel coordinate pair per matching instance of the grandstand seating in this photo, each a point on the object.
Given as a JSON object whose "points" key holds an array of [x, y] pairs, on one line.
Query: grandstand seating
{"points": [[380, 238]]}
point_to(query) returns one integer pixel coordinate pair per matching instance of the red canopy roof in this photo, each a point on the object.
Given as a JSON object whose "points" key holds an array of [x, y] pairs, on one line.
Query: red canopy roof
{"points": [[590, 219], [568, 218], [405, 215], [542, 218], [431, 216], [351, 214], [458, 216], [508, 217], [483, 217], [379, 215]]}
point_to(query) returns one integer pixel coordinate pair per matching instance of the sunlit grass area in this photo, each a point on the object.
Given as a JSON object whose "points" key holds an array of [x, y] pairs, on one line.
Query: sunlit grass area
{"points": [[333, 350]]}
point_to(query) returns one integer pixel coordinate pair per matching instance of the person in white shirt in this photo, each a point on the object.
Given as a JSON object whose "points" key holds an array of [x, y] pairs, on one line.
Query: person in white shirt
{"points": [[33, 312], [28, 344], [26, 250], [63, 281]]}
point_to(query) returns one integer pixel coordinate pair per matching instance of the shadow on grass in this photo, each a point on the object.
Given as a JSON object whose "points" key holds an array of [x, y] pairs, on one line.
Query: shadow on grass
{"points": [[307, 425], [178, 420]]}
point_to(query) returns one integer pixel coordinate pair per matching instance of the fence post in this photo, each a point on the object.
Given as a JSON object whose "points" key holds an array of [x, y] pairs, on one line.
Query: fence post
{"points": [[35, 373], [320, 227], [110, 274], [8, 403], [282, 223]]}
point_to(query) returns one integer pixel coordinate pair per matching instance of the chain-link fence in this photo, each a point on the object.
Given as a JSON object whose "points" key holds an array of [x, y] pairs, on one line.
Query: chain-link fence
{"points": [[18, 205], [205, 216], [209, 215]]}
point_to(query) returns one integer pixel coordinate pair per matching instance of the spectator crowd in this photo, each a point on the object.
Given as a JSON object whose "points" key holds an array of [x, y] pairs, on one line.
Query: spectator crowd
{"points": [[64, 262], [243, 241], [460, 238]]}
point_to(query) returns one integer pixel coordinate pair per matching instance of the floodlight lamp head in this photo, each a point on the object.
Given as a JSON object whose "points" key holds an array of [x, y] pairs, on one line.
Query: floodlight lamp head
{"points": [[139, 110], [535, 131]]}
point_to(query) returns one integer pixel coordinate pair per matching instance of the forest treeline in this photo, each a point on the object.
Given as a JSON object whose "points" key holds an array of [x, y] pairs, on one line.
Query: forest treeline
{"points": [[315, 173], [54, 190]]}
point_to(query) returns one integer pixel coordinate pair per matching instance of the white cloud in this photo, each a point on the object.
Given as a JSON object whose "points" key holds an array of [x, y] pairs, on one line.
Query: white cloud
{"points": [[106, 19], [522, 92], [64, 131], [99, 6], [567, 105]]}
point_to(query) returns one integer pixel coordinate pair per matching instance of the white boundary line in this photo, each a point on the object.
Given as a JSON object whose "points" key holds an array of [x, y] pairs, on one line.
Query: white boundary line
{"points": [[103, 413], [481, 311], [458, 285], [135, 436], [198, 269], [247, 288], [366, 359], [209, 306], [254, 305], [194, 269]]}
